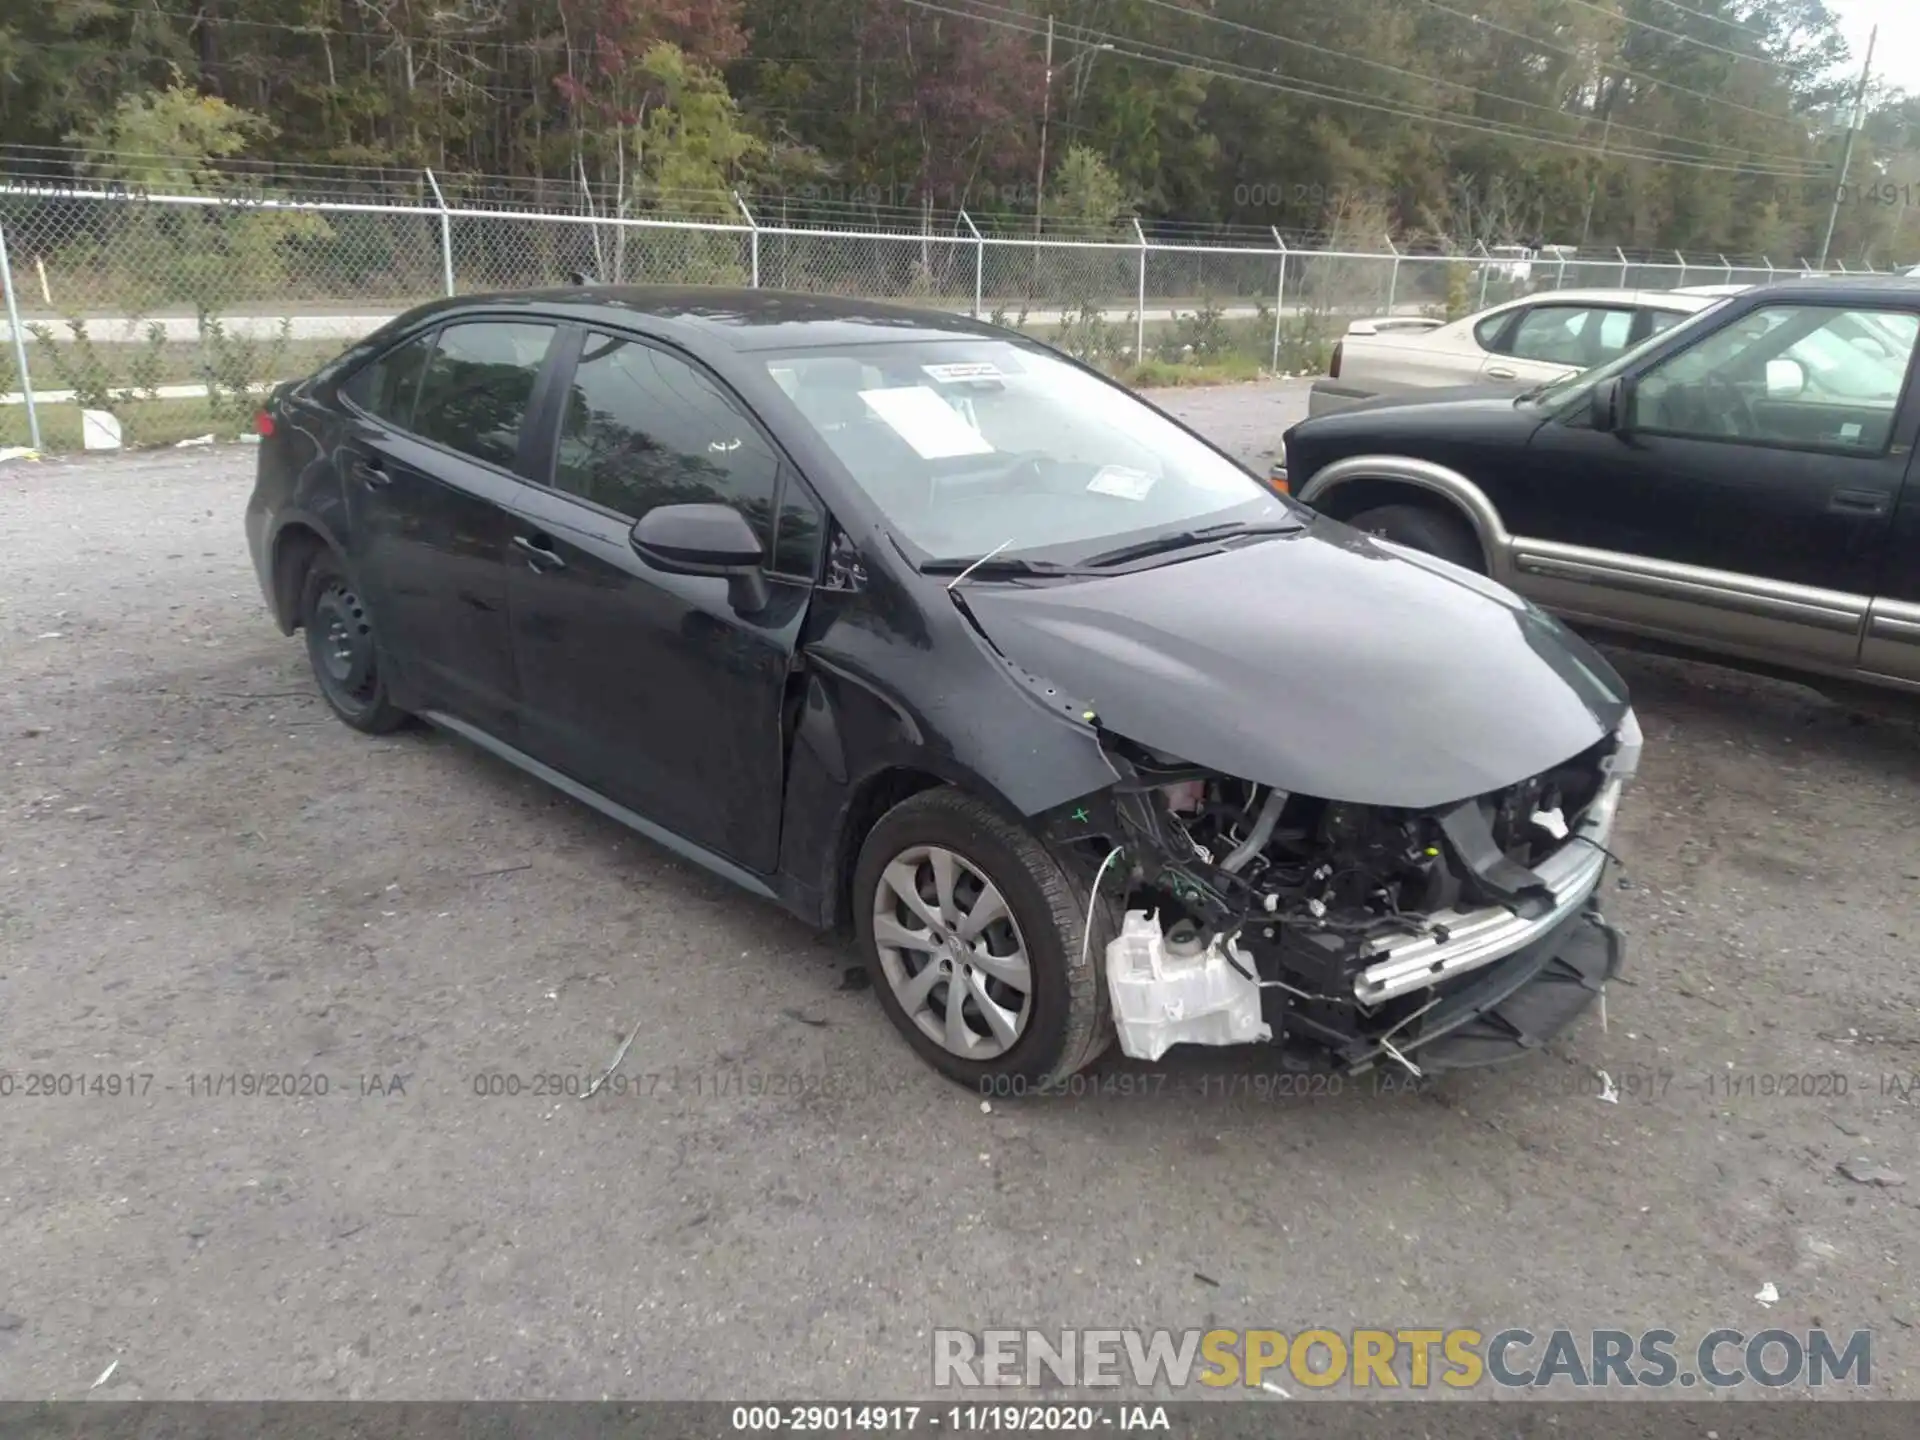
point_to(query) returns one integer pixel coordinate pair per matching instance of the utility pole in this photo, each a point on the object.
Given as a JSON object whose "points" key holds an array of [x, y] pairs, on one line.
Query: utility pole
{"points": [[1046, 105], [1593, 186], [1846, 156]]}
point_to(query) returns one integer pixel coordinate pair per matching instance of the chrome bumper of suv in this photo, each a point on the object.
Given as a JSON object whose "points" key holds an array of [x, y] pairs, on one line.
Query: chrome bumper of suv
{"points": [[1480, 937]]}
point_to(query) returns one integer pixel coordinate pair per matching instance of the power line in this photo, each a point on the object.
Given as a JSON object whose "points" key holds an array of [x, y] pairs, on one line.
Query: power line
{"points": [[1165, 55], [535, 45], [1728, 20], [1616, 69], [532, 45], [1437, 80], [1505, 129], [1613, 14], [1179, 59]]}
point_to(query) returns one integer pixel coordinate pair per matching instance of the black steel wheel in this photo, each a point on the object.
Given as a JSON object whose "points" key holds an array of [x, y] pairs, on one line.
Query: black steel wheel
{"points": [[343, 650]]}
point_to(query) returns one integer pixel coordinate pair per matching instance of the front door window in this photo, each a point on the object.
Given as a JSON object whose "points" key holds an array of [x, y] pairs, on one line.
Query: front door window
{"points": [[1798, 375]]}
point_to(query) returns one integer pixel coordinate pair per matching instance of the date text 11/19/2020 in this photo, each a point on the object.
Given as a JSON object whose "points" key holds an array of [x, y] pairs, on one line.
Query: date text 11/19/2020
{"points": [[1019, 1419], [198, 1085]]}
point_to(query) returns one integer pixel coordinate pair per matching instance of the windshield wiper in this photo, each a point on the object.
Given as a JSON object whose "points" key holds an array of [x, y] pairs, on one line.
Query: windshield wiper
{"points": [[997, 566], [1186, 540]]}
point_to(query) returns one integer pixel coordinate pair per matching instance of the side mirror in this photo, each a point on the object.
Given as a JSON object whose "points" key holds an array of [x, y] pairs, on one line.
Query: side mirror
{"points": [[1603, 402], [1786, 379], [705, 540], [1610, 406]]}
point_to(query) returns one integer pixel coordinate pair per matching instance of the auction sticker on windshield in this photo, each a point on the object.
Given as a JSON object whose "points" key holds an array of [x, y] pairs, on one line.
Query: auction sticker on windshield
{"points": [[960, 374], [934, 429], [1118, 480]]}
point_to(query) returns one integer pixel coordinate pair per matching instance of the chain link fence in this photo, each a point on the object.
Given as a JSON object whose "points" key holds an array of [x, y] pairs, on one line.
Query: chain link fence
{"points": [[169, 314]]}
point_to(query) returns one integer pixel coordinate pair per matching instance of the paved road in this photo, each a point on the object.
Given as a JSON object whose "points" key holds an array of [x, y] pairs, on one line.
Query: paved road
{"points": [[203, 876]]}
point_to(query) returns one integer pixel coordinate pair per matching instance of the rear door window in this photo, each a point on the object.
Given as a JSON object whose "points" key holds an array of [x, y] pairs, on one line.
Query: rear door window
{"points": [[1661, 321], [1487, 332], [478, 386], [386, 386], [1575, 335]]}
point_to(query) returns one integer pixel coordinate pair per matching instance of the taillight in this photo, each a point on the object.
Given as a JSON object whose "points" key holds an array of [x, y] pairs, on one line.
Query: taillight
{"points": [[1333, 370], [263, 424]]}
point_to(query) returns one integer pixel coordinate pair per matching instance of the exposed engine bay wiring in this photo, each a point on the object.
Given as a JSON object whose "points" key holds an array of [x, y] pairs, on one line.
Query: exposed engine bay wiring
{"points": [[1297, 896], [1093, 905]]}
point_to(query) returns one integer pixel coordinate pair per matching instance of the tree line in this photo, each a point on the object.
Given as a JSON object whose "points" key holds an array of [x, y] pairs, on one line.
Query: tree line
{"points": [[1698, 125]]}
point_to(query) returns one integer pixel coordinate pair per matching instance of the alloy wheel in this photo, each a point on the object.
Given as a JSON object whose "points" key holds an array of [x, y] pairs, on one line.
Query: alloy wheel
{"points": [[952, 952]]}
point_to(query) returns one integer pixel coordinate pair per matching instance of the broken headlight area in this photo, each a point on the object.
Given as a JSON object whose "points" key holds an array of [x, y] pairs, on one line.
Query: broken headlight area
{"points": [[1369, 932]]}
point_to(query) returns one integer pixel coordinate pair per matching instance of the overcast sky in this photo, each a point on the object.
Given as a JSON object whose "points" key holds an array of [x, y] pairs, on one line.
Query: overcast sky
{"points": [[1897, 57]]}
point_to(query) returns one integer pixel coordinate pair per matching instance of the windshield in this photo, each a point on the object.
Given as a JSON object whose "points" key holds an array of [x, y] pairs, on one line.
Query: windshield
{"points": [[1576, 386], [977, 447]]}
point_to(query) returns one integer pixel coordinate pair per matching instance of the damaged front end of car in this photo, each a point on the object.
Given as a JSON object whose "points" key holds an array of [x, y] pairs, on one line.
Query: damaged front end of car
{"points": [[1423, 939]]}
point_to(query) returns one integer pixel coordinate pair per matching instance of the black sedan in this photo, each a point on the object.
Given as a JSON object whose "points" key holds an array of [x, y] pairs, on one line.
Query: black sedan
{"points": [[908, 623], [1741, 487]]}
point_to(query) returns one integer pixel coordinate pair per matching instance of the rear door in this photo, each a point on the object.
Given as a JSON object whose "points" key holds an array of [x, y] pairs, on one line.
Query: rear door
{"points": [[1555, 339], [649, 687], [435, 450]]}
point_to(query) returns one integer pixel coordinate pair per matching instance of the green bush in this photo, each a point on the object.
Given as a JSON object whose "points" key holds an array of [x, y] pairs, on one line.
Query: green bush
{"points": [[1087, 335], [1197, 337], [76, 364], [237, 368]]}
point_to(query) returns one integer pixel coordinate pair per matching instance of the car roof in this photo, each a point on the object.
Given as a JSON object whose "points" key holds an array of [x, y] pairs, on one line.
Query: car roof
{"points": [[1829, 289], [736, 318], [1651, 299]]}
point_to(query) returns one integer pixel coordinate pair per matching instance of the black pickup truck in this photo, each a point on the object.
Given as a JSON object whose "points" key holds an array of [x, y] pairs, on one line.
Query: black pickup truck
{"points": [[1741, 486]]}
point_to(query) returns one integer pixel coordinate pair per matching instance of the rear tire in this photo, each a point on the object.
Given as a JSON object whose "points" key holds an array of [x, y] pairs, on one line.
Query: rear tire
{"points": [[1427, 529], [343, 650], [953, 987]]}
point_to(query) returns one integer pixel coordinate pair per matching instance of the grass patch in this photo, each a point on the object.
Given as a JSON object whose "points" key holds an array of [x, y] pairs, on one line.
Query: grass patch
{"points": [[123, 365], [142, 423], [1165, 374]]}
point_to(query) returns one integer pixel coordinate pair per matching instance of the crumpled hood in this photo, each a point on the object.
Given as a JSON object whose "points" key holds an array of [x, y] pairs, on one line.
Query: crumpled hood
{"points": [[1325, 663]]}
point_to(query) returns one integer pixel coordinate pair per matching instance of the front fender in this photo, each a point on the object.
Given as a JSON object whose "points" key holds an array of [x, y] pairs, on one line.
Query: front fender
{"points": [[984, 728]]}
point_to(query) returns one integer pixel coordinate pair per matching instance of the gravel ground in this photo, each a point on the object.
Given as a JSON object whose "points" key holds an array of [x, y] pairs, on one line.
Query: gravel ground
{"points": [[202, 876]]}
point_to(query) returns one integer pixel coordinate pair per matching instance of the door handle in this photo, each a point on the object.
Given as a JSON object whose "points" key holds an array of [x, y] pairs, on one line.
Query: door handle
{"points": [[1502, 372], [372, 474], [1858, 502], [538, 552]]}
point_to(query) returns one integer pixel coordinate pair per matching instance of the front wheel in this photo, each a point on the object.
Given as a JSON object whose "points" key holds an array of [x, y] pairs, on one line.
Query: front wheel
{"points": [[977, 936], [1427, 529]]}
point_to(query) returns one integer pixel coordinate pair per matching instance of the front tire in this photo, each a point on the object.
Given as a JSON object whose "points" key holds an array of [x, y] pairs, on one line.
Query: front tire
{"points": [[1427, 529], [976, 935], [343, 650]]}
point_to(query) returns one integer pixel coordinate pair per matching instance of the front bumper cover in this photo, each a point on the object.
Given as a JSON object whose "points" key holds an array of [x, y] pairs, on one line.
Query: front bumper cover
{"points": [[1480, 937], [1512, 1008], [1474, 986]]}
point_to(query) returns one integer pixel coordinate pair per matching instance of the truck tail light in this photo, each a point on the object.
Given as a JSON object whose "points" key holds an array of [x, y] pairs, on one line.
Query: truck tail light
{"points": [[1333, 370]]}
